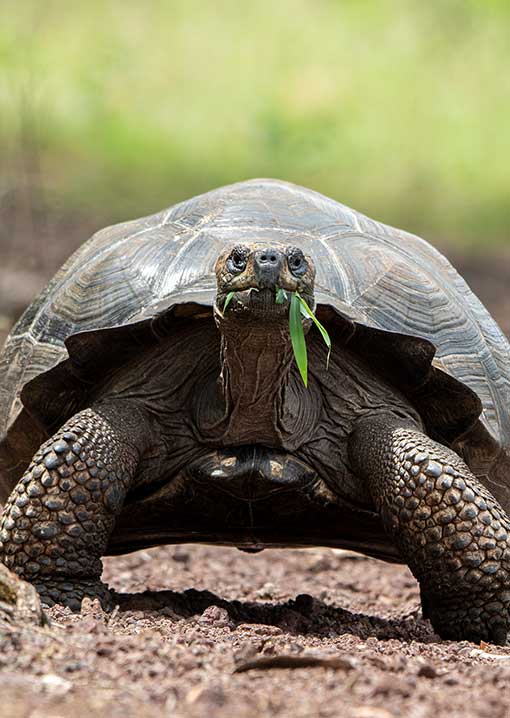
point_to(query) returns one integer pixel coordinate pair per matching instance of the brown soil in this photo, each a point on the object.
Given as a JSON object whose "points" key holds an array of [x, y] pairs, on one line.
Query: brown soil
{"points": [[311, 633]]}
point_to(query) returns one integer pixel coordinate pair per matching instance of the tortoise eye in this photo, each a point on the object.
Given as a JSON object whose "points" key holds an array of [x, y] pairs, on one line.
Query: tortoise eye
{"points": [[238, 259], [296, 261]]}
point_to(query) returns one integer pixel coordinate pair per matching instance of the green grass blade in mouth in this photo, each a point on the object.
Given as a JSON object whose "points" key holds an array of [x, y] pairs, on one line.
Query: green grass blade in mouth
{"points": [[307, 312], [228, 299], [297, 337], [281, 296]]}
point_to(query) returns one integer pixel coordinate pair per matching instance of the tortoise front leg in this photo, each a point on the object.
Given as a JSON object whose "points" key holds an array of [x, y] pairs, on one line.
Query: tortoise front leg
{"points": [[56, 523], [448, 527]]}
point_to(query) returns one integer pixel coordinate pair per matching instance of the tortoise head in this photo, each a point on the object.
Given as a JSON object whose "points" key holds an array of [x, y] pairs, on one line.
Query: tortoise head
{"points": [[249, 276]]}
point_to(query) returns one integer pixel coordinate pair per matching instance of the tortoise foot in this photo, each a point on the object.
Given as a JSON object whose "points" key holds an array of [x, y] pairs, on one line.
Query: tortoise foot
{"points": [[479, 617], [452, 532], [71, 591]]}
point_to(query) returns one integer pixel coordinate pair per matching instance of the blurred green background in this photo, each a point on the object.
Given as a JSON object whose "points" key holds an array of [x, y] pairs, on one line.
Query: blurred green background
{"points": [[112, 110]]}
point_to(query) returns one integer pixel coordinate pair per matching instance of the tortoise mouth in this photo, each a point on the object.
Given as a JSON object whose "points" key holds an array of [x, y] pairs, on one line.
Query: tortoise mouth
{"points": [[256, 303], [252, 301]]}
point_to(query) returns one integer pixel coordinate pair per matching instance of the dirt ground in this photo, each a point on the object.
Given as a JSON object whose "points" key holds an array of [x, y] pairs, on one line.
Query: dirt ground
{"points": [[212, 632]]}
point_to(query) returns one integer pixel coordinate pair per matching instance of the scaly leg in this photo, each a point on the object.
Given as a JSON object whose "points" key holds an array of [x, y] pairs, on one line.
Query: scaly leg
{"points": [[448, 527], [56, 523]]}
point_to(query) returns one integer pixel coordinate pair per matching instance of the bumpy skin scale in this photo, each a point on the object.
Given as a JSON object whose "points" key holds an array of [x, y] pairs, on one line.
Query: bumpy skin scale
{"points": [[449, 528], [57, 521]]}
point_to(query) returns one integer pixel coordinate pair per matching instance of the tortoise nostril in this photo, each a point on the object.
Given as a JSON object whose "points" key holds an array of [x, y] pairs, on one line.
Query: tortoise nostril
{"points": [[268, 258]]}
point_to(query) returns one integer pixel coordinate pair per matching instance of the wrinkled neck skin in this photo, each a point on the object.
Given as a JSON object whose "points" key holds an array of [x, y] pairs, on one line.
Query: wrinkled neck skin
{"points": [[262, 398], [255, 370]]}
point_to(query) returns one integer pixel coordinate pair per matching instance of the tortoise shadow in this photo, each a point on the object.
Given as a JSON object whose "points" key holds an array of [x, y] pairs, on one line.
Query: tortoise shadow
{"points": [[304, 615]]}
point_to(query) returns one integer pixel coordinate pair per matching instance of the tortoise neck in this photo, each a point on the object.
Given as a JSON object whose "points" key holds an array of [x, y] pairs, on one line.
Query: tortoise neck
{"points": [[256, 369], [259, 397]]}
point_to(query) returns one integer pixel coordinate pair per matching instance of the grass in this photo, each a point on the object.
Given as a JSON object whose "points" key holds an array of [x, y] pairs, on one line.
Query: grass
{"points": [[399, 108], [298, 307]]}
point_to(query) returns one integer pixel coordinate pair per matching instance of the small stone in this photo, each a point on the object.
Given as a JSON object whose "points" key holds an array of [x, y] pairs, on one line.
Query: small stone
{"points": [[426, 670], [216, 616]]}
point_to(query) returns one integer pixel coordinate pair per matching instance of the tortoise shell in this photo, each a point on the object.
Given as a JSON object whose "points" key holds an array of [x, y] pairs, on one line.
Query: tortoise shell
{"points": [[380, 279]]}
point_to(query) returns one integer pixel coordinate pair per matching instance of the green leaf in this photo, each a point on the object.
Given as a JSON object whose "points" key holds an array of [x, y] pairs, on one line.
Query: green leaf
{"points": [[227, 301], [281, 296], [307, 312], [297, 337]]}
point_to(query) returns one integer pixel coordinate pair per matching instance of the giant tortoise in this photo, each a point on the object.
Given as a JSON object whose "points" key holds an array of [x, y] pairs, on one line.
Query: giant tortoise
{"points": [[150, 396]]}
